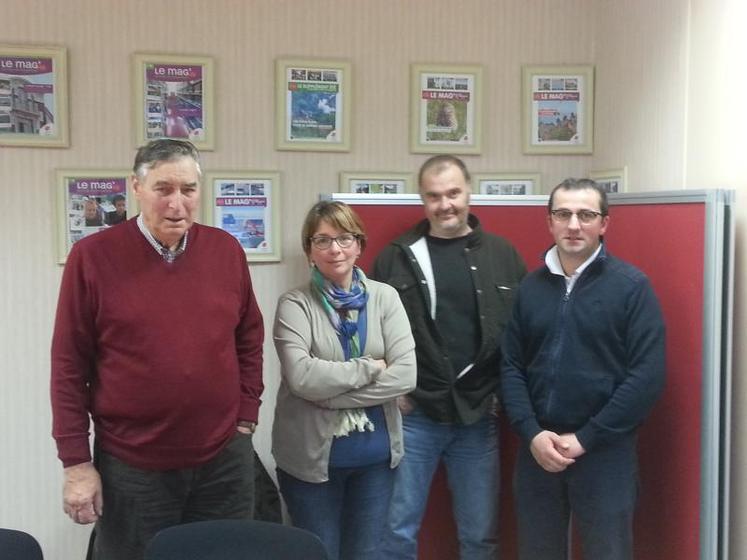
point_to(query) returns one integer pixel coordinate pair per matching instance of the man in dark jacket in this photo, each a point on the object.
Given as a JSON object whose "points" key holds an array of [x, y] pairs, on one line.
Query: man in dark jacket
{"points": [[583, 363], [457, 284]]}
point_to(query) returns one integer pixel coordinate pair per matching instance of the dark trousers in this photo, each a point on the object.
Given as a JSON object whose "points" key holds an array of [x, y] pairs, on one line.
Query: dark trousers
{"points": [[599, 490], [139, 503]]}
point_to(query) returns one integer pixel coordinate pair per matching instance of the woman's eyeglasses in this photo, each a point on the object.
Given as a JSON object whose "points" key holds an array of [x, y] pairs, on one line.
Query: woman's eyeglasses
{"points": [[324, 242]]}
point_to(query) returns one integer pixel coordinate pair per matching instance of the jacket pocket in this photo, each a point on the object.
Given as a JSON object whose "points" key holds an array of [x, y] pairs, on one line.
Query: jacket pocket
{"points": [[506, 293], [412, 300]]}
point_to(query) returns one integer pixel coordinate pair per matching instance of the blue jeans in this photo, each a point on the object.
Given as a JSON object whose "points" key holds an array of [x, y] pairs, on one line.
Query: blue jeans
{"points": [[347, 513], [470, 454]]}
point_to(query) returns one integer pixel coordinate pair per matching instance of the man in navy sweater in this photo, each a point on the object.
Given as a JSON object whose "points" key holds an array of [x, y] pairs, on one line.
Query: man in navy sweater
{"points": [[583, 363], [158, 340]]}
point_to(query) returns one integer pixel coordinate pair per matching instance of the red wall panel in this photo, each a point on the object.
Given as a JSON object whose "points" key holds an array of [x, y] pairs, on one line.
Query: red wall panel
{"points": [[667, 242]]}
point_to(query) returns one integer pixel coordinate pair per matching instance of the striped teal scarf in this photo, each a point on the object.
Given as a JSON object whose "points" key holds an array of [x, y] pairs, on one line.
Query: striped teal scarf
{"points": [[350, 326]]}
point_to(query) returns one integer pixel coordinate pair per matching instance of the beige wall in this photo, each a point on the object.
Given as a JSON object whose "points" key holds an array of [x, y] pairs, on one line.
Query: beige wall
{"points": [[655, 75], [716, 150], [640, 53]]}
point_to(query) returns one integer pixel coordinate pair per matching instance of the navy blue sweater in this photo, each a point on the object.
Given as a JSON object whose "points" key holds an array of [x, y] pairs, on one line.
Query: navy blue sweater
{"points": [[590, 362]]}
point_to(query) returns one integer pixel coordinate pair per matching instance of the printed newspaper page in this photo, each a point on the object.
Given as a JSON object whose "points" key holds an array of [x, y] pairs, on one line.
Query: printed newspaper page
{"points": [[447, 109], [243, 208], [558, 110], [27, 96], [94, 204], [314, 105], [173, 100]]}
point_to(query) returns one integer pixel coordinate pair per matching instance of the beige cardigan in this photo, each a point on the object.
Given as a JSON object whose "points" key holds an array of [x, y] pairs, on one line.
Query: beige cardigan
{"points": [[316, 379]]}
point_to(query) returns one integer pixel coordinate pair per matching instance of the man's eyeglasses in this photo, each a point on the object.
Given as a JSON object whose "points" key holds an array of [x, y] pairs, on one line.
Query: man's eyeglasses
{"points": [[563, 216], [324, 242]]}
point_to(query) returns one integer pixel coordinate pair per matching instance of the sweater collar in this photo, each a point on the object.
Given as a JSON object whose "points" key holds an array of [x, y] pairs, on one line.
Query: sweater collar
{"points": [[168, 255], [552, 261]]}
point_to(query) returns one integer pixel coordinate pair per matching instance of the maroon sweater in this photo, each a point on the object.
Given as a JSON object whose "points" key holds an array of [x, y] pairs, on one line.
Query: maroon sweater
{"points": [[165, 358]]}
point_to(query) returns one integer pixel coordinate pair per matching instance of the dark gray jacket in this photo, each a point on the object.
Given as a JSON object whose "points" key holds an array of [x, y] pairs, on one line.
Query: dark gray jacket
{"points": [[497, 270]]}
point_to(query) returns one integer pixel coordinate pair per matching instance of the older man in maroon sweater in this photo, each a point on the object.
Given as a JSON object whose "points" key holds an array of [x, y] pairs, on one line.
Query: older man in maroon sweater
{"points": [[158, 340]]}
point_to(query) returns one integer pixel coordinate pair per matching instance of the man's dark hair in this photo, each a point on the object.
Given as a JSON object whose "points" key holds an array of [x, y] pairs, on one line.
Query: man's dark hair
{"points": [[572, 184], [436, 164], [117, 197], [163, 149]]}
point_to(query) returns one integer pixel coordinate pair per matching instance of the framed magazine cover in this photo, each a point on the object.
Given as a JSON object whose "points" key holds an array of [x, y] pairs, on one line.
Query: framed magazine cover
{"points": [[376, 183], [612, 180], [558, 111], [313, 101], [246, 204], [173, 98], [445, 110], [89, 201], [33, 97], [506, 183]]}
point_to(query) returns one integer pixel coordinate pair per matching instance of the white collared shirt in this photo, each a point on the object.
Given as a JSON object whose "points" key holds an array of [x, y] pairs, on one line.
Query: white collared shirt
{"points": [[552, 260]]}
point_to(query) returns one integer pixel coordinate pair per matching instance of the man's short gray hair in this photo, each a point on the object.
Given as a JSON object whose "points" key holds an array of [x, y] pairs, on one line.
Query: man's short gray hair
{"points": [[439, 163], [161, 150]]}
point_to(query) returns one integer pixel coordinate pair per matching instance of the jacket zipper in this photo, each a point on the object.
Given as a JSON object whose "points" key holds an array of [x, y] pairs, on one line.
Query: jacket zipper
{"points": [[558, 346]]}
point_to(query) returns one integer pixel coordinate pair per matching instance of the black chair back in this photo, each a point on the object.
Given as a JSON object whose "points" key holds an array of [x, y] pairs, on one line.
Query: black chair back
{"points": [[17, 545], [232, 539]]}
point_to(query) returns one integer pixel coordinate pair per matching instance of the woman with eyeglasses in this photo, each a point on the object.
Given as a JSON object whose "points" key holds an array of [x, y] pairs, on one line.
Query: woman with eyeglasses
{"points": [[346, 353]]}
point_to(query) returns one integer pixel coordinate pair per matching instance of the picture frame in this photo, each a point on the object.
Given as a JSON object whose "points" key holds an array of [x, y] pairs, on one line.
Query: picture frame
{"points": [[445, 110], [558, 111], [376, 183], [611, 180], [313, 104], [34, 97], [173, 98], [506, 183], [89, 201], [246, 204]]}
